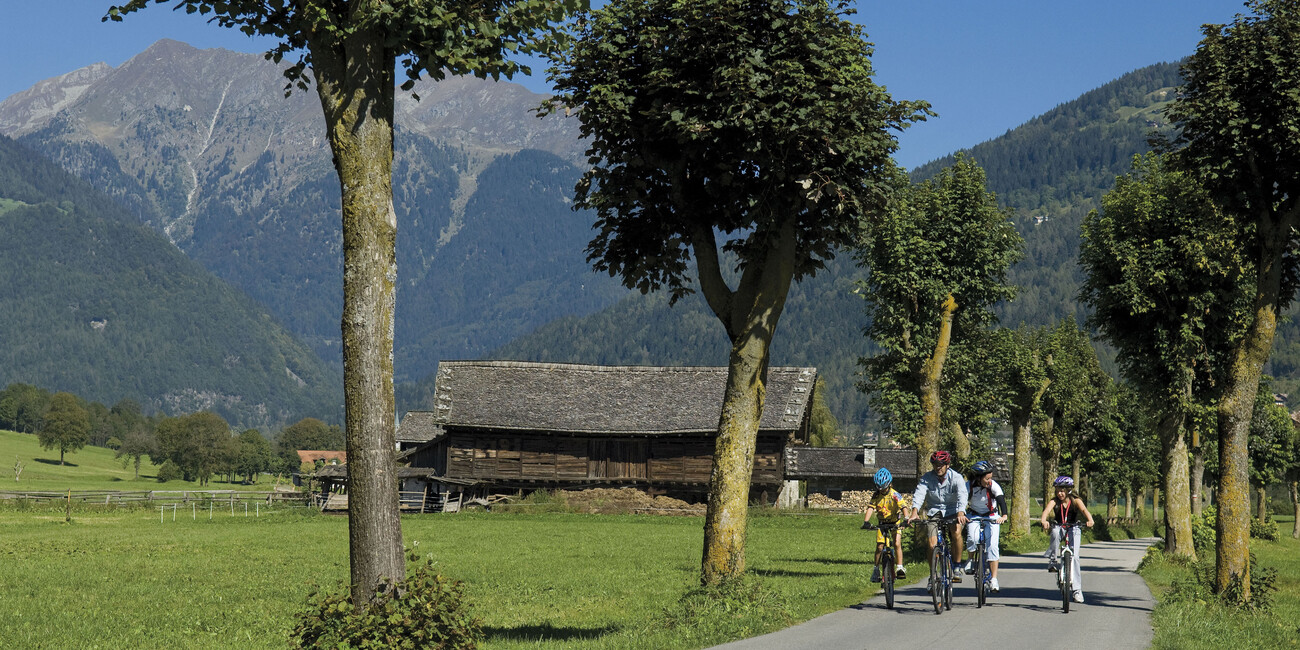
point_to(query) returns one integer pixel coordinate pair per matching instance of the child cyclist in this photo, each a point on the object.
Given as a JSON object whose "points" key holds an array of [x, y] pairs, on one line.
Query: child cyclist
{"points": [[888, 504], [1066, 508], [986, 500]]}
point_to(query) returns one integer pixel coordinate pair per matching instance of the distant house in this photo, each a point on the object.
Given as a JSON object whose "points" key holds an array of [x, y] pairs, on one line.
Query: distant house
{"points": [[328, 457], [519, 425]]}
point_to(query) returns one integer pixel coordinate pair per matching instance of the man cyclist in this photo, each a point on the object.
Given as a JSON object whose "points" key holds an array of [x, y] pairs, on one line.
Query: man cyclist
{"points": [[986, 500], [888, 505], [942, 492]]}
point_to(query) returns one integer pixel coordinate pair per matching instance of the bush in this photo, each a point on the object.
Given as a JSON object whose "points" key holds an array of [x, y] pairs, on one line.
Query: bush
{"points": [[169, 472], [425, 610], [1203, 531], [1266, 529]]}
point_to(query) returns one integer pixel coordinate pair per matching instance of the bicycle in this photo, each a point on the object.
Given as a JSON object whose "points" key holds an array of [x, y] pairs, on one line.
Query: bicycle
{"points": [[1065, 564], [888, 559], [941, 566], [983, 577]]}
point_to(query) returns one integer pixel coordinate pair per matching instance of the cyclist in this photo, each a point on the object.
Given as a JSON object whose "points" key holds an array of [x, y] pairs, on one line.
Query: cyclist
{"points": [[888, 504], [942, 492], [986, 500], [1066, 508]]}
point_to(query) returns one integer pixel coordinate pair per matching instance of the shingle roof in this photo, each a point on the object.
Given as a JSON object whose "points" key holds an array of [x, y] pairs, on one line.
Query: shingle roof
{"points": [[605, 399], [847, 462], [418, 426]]}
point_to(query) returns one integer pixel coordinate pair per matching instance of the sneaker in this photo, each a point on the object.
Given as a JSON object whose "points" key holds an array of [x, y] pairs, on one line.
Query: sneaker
{"points": [[993, 585], [1078, 596], [969, 568], [1052, 566], [956, 577], [875, 574], [901, 573]]}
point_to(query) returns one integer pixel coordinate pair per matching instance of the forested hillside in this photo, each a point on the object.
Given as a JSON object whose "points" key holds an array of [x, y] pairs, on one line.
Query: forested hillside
{"points": [[95, 304], [1051, 171]]}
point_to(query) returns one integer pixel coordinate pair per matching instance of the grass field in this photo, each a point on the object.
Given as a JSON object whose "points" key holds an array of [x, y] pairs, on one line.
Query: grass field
{"points": [[122, 579], [91, 468], [1193, 624]]}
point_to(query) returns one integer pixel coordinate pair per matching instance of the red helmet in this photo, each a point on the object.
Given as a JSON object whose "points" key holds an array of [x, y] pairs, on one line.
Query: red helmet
{"points": [[941, 457]]}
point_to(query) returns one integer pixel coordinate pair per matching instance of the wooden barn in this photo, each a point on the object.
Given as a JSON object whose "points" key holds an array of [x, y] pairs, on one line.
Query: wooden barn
{"points": [[518, 425]]}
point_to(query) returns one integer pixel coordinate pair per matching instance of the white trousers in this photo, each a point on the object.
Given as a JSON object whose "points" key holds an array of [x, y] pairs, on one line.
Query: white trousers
{"points": [[1076, 576], [973, 538]]}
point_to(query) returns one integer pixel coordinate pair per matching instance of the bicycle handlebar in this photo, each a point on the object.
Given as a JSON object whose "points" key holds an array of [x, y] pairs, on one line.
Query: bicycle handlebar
{"points": [[866, 525]]}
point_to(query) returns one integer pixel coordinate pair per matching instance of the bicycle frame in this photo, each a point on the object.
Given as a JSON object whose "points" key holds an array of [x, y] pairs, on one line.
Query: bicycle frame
{"points": [[888, 561], [983, 576], [941, 565], [1065, 564]]}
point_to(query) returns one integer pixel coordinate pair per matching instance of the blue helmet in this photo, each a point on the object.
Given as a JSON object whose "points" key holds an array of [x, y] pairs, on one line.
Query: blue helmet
{"points": [[983, 467], [883, 477]]}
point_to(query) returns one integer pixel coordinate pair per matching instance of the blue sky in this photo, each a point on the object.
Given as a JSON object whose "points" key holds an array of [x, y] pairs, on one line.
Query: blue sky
{"points": [[986, 67]]}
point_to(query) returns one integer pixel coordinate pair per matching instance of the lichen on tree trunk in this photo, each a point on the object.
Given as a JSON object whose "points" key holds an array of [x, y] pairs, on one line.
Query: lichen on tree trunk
{"points": [[1198, 474], [750, 315], [1173, 468], [931, 376], [356, 90]]}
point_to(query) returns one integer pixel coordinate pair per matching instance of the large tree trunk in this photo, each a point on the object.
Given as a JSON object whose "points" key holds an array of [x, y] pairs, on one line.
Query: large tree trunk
{"points": [[1128, 502], [1155, 504], [931, 376], [960, 442], [1237, 404], [750, 315], [1076, 471], [1261, 507], [1049, 452], [356, 90], [1198, 474], [1021, 417], [1173, 467], [1112, 503]]}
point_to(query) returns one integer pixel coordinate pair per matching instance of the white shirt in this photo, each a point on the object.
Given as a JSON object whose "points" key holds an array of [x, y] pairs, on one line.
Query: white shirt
{"points": [[983, 501]]}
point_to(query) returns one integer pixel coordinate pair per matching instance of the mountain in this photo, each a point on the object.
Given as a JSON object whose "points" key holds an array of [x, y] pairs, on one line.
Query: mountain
{"points": [[96, 304], [1050, 171], [203, 146]]}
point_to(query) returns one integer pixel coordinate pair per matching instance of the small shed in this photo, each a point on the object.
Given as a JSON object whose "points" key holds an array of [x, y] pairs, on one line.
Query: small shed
{"points": [[522, 425]]}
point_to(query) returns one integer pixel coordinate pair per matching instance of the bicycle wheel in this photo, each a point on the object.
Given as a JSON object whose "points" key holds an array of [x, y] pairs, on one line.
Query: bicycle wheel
{"points": [[935, 586], [1064, 580], [981, 589], [887, 578]]}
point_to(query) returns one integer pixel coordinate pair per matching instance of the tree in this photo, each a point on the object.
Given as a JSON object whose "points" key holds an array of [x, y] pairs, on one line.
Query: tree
{"points": [[938, 263], [196, 443], [1236, 118], [65, 426], [1023, 353], [254, 455], [1269, 446], [352, 49], [1166, 278], [754, 120], [136, 445], [307, 433], [824, 429], [22, 407]]}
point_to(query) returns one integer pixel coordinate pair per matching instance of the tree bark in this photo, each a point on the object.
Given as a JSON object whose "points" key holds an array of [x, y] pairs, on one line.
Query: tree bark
{"points": [[931, 376], [355, 84], [1128, 502], [1261, 508], [1155, 504], [750, 315], [1237, 404], [1112, 503], [1049, 452], [960, 443], [1198, 474], [1173, 468]]}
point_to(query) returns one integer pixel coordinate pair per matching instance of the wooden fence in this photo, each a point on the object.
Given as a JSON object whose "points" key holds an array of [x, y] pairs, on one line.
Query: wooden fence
{"points": [[158, 497]]}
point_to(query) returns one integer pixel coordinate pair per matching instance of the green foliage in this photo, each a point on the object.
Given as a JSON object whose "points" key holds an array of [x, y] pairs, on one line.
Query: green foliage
{"points": [[199, 444], [761, 117], [23, 407], [1271, 442], [1203, 531], [306, 434], [1267, 529], [825, 429], [169, 471], [66, 426], [943, 238], [425, 610]]}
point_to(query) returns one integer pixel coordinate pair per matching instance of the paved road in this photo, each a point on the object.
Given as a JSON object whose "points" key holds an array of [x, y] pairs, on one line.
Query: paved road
{"points": [[1026, 614]]}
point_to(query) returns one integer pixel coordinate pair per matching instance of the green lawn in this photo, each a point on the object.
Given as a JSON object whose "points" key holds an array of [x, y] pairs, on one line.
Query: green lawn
{"points": [[1194, 624], [91, 468], [122, 579]]}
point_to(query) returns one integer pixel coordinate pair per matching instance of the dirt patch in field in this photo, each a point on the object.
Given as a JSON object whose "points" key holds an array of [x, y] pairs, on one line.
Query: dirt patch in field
{"points": [[627, 500]]}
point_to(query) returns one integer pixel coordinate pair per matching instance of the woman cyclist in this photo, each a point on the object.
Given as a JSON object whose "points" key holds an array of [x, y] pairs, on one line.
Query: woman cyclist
{"points": [[986, 500], [889, 505], [1066, 508]]}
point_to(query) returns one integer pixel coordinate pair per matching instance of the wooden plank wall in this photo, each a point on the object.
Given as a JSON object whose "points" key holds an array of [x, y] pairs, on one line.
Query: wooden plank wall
{"points": [[675, 460]]}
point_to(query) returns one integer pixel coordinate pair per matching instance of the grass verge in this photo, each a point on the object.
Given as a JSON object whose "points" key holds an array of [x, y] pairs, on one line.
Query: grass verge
{"points": [[1186, 620]]}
